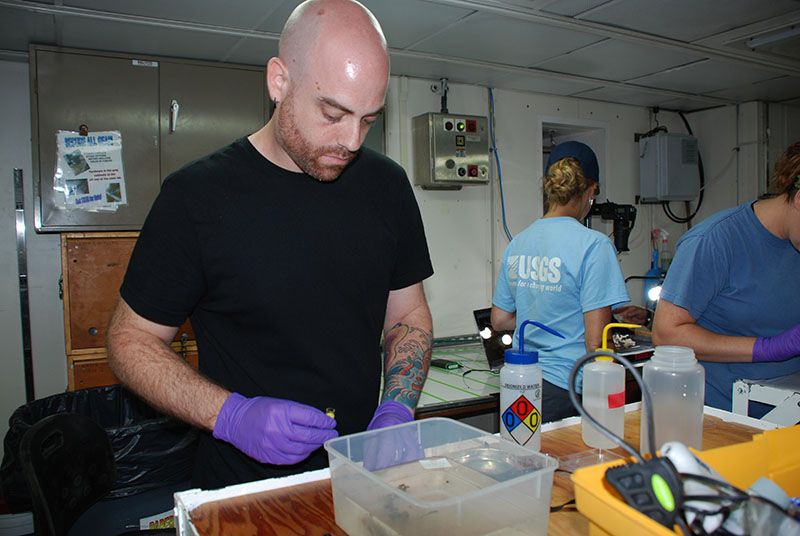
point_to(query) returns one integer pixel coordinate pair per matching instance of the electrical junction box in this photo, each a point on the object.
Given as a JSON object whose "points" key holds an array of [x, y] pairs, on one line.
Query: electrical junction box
{"points": [[450, 150], [668, 168]]}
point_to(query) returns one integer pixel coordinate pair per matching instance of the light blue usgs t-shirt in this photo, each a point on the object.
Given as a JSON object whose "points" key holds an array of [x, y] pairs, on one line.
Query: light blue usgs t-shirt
{"points": [[552, 273]]}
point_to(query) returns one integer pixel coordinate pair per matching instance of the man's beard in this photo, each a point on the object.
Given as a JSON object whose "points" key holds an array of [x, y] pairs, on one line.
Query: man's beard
{"points": [[303, 153]]}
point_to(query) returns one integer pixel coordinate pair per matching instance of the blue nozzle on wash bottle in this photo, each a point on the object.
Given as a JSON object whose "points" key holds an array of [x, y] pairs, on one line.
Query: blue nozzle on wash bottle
{"points": [[522, 355]]}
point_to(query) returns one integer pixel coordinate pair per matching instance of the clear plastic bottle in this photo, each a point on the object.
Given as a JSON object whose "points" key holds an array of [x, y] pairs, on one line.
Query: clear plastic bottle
{"points": [[521, 399], [664, 251], [604, 400], [521, 393], [676, 382]]}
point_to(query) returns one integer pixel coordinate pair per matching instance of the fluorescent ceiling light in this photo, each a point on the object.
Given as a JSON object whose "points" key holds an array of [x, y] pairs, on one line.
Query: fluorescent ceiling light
{"points": [[772, 38]]}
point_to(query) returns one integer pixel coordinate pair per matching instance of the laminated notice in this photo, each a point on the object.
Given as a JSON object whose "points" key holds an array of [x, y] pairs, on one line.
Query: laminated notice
{"points": [[89, 170]]}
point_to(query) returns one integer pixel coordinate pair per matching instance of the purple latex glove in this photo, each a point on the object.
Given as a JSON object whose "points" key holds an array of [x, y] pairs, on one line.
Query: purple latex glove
{"points": [[391, 447], [778, 347], [273, 430], [390, 413]]}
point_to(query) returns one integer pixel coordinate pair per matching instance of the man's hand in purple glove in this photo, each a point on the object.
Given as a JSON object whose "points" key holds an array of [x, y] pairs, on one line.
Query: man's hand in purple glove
{"points": [[273, 430], [390, 413], [391, 447], [778, 347]]}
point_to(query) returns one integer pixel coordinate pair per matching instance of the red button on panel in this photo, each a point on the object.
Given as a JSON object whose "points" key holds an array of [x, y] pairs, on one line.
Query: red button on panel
{"points": [[472, 125], [472, 171]]}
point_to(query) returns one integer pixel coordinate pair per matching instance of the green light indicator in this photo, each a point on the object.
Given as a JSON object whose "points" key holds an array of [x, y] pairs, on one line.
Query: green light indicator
{"points": [[662, 492]]}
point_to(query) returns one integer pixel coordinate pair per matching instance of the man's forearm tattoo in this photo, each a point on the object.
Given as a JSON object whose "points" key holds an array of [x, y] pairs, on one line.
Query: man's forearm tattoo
{"points": [[407, 356]]}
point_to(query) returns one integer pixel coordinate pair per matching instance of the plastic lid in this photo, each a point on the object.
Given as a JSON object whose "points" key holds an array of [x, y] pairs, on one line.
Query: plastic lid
{"points": [[521, 358]]}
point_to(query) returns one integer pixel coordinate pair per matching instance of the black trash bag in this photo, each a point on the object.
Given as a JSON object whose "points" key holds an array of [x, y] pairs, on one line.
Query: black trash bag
{"points": [[151, 450]]}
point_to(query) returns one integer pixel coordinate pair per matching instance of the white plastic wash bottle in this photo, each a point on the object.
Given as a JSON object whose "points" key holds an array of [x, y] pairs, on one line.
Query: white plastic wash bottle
{"points": [[676, 382], [604, 396], [521, 393]]}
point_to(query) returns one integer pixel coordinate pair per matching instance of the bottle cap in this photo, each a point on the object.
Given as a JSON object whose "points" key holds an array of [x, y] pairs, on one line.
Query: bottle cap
{"points": [[521, 358]]}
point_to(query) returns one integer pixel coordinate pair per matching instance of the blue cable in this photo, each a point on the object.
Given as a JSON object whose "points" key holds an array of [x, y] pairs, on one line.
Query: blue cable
{"points": [[497, 161]]}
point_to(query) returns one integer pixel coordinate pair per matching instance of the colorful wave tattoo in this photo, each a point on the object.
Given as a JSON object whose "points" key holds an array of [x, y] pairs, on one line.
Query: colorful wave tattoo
{"points": [[406, 357]]}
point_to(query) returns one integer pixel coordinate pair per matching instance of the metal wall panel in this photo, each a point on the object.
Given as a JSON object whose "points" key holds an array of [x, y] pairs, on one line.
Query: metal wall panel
{"points": [[216, 106], [131, 94], [104, 93]]}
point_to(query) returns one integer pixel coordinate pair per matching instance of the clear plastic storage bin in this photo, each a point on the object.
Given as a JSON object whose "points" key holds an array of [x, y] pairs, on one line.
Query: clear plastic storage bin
{"points": [[443, 477]]}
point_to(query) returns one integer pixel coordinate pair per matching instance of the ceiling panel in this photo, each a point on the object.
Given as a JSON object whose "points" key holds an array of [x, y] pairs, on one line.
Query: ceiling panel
{"points": [[434, 69], [540, 83], [687, 20], [685, 104], [629, 60], [776, 90], [20, 29], [251, 51], [403, 24], [570, 7], [629, 96], [577, 47], [705, 77], [503, 40], [232, 13], [145, 40]]}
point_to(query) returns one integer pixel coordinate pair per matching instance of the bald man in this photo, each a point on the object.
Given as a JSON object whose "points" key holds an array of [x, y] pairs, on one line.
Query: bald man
{"points": [[292, 251]]}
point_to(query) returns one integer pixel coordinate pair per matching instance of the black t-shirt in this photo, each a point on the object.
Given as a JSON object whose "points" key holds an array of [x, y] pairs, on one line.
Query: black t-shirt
{"points": [[285, 280]]}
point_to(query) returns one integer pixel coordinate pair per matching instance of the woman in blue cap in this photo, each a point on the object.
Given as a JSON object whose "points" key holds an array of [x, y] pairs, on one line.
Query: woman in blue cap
{"points": [[562, 274]]}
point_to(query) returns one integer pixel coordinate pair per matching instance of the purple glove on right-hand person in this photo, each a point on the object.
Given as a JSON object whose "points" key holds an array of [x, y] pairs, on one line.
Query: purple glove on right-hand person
{"points": [[779, 347], [273, 430]]}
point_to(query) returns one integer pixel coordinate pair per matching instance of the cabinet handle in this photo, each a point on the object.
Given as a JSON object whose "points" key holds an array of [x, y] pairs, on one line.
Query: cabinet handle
{"points": [[174, 108]]}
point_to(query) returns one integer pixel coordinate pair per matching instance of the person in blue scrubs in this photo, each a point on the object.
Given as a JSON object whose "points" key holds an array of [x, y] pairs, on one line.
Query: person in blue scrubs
{"points": [[732, 292], [562, 274]]}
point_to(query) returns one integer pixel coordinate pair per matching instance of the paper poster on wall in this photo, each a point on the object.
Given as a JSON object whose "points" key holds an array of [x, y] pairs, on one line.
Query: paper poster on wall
{"points": [[89, 170]]}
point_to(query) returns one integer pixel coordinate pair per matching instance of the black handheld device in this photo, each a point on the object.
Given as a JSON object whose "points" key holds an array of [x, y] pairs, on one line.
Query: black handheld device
{"points": [[445, 364]]}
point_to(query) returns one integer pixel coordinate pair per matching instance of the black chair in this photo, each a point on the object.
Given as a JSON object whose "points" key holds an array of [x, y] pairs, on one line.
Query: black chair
{"points": [[69, 465]]}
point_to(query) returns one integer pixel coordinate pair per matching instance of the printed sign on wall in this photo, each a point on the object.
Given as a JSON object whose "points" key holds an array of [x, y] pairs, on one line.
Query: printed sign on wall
{"points": [[89, 170]]}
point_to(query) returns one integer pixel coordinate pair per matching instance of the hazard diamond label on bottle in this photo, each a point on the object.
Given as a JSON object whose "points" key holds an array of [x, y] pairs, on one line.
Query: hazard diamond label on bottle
{"points": [[521, 419]]}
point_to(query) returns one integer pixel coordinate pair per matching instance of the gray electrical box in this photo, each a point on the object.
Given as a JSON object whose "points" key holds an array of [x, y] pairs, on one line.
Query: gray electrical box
{"points": [[450, 150], [668, 168]]}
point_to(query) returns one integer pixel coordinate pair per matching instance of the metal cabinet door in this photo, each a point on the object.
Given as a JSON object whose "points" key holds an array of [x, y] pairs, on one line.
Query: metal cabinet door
{"points": [[104, 93], [216, 105]]}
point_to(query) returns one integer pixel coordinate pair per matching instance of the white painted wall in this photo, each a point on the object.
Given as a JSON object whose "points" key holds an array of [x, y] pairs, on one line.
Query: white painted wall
{"points": [[464, 227], [14, 153], [44, 262]]}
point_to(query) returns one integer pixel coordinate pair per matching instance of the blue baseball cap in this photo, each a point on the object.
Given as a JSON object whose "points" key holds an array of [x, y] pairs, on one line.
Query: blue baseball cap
{"points": [[580, 152]]}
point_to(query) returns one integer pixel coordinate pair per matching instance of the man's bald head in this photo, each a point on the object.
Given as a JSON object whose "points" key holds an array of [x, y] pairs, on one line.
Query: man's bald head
{"points": [[317, 26], [329, 84]]}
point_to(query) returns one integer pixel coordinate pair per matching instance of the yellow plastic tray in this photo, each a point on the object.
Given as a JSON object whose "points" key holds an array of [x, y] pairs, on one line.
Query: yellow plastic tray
{"points": [[773, 453]]}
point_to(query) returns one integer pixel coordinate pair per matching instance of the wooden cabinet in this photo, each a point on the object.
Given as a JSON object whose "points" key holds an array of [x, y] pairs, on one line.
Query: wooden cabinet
{"points": [[216, 104], [93, 266]]}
